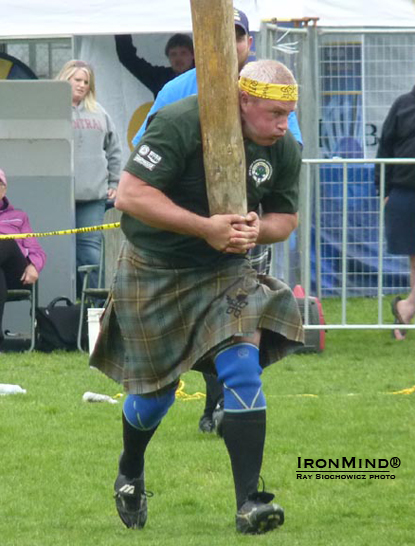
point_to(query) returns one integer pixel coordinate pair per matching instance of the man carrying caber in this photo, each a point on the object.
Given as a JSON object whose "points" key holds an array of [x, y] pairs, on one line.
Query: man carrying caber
{"points": [[185, 295]]}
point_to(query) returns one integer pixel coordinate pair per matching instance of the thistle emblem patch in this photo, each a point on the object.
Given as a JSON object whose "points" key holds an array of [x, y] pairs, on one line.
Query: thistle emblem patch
{"points": [[260, 170]]}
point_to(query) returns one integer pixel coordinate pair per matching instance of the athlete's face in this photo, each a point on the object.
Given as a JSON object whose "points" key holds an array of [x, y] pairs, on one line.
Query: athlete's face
{"points": [[181, 59], [80, 86], [264, 121]]}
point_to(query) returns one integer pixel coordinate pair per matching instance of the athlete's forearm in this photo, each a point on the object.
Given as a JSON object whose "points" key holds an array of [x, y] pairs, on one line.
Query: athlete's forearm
{"points": [[276, 227]]}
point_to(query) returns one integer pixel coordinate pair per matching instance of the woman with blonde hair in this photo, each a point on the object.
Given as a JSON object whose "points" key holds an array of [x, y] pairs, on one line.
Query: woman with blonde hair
{"points": [[97, 160]]}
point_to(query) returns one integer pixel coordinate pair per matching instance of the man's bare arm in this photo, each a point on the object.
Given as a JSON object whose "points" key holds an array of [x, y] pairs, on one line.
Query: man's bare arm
{"points": [[276, 227]]}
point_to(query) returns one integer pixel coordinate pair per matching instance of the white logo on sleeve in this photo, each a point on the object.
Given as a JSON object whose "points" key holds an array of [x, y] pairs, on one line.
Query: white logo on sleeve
{"points": [[153, 157], [147, 157], [143, 150]]}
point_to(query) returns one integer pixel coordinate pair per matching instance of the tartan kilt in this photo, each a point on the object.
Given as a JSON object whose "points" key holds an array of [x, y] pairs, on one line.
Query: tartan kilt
{"points": [[160, 321]]}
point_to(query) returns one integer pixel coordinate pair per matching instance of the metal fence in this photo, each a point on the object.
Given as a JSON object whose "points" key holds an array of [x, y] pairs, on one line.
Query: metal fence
{"points": [[361, 266]]}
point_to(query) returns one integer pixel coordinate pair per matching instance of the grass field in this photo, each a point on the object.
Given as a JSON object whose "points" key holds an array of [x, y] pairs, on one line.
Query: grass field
{"points": [[59, 454]]}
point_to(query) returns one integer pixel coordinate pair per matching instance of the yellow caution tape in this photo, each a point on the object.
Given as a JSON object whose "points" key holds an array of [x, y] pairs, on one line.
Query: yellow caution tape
{"points": [[62, 232], [179, 394], [411, 390], [200, 395], [304, 395], [184, 396]]}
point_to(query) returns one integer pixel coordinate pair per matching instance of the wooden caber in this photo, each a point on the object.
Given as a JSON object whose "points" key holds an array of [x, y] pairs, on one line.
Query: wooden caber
{"points": [[217, 78]]}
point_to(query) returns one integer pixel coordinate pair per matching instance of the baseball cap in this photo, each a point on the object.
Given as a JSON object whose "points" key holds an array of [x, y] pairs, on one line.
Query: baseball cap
{"points": [[241, 20], [3, 178]]}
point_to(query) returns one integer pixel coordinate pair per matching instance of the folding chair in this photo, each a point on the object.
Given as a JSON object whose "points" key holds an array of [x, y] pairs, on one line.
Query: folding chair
{"points": [[112, 241], [27, 294]]}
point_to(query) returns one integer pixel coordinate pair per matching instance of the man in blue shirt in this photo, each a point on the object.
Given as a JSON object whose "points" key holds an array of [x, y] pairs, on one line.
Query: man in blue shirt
{"points": [[186, 84]]}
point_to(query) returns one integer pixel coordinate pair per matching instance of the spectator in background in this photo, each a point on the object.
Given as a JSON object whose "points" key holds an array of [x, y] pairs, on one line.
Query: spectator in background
{"points": [[398, 141], [97, 161], [21, 260], [179, 51], [181, 87]]}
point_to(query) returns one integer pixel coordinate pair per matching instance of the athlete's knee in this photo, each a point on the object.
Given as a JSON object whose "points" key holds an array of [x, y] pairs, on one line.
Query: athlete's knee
{"points": [[240, 372], [146, 412]]}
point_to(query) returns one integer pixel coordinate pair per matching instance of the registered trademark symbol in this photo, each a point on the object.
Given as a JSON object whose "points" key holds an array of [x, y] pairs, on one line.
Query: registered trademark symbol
{"points": [[395, 462]]}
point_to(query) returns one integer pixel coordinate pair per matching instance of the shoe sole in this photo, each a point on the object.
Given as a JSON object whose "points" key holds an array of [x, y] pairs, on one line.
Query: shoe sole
{"points": [[131, 517], [262, 522], [268, 524]]}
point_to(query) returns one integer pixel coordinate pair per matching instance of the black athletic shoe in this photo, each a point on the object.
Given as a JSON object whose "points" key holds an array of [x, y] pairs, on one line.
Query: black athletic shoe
{"points": [[131, 501], [257, 515], [206, 424]]}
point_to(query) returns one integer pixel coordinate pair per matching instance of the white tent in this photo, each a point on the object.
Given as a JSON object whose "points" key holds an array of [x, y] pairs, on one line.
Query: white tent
{"points": [[78, 17], [87, 17]]}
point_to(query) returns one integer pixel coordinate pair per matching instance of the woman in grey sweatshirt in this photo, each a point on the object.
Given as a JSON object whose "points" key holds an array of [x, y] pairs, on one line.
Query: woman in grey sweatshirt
{"points": [[97, 161]]}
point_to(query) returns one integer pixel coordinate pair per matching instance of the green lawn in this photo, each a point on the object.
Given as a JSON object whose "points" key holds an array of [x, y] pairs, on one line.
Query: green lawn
{"points": [[59, 454]]}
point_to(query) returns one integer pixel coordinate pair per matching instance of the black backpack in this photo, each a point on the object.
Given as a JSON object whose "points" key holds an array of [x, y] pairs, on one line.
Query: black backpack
{"points": [[57, 326]]}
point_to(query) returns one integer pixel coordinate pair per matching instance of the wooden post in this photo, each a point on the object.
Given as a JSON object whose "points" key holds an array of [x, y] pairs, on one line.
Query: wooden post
{"points": [[217, 78]]}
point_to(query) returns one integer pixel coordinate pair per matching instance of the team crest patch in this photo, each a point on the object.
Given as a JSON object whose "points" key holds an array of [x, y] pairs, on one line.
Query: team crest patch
{"points": [[147, 157], [260, 170]]}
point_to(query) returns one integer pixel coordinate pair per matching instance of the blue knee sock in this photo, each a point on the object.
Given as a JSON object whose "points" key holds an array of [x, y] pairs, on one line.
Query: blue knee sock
{"points": [[239, 370]]}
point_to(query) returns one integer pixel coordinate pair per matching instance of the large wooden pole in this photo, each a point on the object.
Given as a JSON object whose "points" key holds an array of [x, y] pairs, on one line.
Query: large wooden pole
{"points": [[217, 79]]}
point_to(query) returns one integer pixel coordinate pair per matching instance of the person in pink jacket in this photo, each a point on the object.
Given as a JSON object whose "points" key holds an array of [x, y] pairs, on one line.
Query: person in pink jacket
{"points": [[21, 260]]}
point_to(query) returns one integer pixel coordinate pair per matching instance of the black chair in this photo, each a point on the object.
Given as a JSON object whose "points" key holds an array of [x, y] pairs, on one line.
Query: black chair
{"points": [[111, 244], [27, 294]]}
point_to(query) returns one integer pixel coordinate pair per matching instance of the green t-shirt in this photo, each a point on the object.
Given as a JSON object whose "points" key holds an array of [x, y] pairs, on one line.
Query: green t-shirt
{"points": [[169, 157]]}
